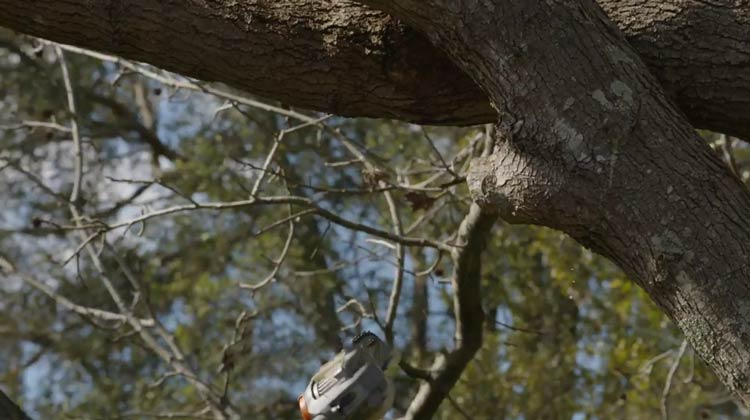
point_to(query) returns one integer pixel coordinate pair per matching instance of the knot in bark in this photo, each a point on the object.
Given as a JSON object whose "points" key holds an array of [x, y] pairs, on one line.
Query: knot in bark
{"points": [[514, 185]]}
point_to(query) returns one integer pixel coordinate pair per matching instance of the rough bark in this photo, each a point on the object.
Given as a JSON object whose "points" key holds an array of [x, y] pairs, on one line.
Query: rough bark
{"points": [[590, 144], [343, 58], [699, 51]]}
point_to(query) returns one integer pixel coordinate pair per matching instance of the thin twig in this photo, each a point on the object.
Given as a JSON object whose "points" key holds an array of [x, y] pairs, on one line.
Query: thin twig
{"points": [[437, 152], [458, 408], [276, 264], [219, 409], [36, 124], [33, 178], [334, 218], [668, 382], [398, 276], [84, 311]]}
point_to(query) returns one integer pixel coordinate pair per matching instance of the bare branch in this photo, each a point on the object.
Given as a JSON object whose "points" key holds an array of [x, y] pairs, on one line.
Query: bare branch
{"points": [[87, 312], [668, 383], [469, 316], [35, 179], [276, 264], [220, 410], [78, 154], [36, 124], [410, 241], [398, 277]]}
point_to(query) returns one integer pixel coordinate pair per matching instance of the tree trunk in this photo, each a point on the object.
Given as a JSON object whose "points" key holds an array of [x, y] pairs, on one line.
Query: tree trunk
{"points": [[590, 144], [339, 57]]}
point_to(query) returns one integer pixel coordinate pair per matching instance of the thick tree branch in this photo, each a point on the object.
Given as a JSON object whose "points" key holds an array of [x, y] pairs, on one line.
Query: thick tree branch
{"points": [[339, 57], [590, 144]]}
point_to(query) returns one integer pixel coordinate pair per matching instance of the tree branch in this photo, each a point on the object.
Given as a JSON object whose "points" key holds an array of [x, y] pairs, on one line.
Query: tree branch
{"points": [[343, 58], [9, 410], [170, 355], [668, 383], [590, 144], [469, 317]]}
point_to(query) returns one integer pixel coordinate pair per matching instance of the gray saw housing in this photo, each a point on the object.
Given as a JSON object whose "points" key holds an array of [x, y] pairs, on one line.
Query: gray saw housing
{"points": [[352, 386]]}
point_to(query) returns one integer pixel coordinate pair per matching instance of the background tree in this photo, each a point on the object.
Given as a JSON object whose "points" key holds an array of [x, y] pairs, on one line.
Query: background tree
{"points": [[210, 237]]}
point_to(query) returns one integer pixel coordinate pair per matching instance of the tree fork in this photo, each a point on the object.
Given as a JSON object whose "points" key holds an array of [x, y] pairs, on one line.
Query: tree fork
{"points": [[590, 144]]}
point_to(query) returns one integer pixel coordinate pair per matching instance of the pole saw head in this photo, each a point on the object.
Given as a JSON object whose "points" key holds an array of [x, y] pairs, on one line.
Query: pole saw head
{"points": [[352, 386]]}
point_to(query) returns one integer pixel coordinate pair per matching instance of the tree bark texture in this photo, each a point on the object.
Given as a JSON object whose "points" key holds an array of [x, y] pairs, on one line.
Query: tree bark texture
{"points": [[340, 57], [590, 144]]}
